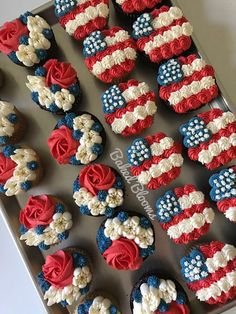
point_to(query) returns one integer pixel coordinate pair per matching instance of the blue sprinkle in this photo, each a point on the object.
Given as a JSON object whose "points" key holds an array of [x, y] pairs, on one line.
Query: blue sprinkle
{"points": [[163, 307], [9, 150], [4, 140], [84, 210], [109, 212], [102, 195], [13, 57], [137, 296], [74, 89], [2, 190], [40, 71], [76, 186], [26, 185], [113, 309], [63, 236], [48, 33], [32, 165], [77, 134], [153, 281], [85, 290], [59, 208], [24, 17], [97, 127], [145, 223], [43, 247], [39, 229], [123, 216], [181, 298], [22, 229], [74, 161], [69, 117], [97, 149], [55, 88], [12, 117], [24, 40], [41, 54], [64, 303], [119, 184], [53, 108]]}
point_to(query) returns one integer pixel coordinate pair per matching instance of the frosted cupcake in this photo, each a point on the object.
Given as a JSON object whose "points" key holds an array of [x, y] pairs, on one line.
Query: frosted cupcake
{"points": [[184, 214], [129, 108], [110, 54], [65, 277], [155, 296], [20, 169], [223, 191], [155, 160], [55, 87], [45, 221], [81, 18], [28, 40], [77, 139], [187, 83], [209, 271], [163, 33], [12, 124], [126, 240], [210, 138], [98, 190]]}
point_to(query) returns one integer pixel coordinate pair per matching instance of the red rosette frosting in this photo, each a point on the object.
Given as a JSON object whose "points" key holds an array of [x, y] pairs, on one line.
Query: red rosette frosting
{"points": [[175, 308], [10, 34], [38, 211], [7, 167], [62, 144], [60, 73], [123, 254], [58, 269], [132, 6], [97, 177]]}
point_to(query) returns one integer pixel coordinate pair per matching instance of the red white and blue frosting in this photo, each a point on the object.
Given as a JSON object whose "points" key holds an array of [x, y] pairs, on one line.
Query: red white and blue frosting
{"points": [[155, 160], [184, 214], [81, 17], [129, 108], [210, 271], [187, 83], [210, 138], [97, 305], [223, 191], [163, 33], [110, 54]]}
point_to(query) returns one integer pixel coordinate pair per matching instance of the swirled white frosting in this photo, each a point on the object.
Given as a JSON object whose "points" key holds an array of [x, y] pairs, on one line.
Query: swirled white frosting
{"points": [[197, 65], [6, 127], [221, 258], [101, 305], [167, 18], [231, 214], [130, 229], [221, 122]]}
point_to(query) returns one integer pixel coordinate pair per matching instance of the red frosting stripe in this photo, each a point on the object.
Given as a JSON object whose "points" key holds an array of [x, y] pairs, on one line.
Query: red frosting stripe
{"points": [[132, 6], [7, 167], [225, 204]]}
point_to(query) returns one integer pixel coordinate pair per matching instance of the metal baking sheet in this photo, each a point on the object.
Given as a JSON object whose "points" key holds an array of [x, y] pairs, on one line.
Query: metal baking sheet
{"points": [[58, 180]]}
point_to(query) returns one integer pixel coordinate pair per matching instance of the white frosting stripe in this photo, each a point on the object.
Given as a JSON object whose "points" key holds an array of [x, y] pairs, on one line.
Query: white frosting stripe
{"points": [[156, 170], [197, 65], [193, 198], [221, 122], [214, 149], [165, 143], [167, 18], [217, 288], [231, 214], [168, 36], [221, 258], [188, 225], [119, 37], [134, 92], [89, 14], [131, 117], [117, 57], [192, 89]]}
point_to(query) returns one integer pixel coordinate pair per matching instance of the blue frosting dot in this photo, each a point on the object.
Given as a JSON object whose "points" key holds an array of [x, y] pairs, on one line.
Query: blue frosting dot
{"points": [[32, 165], [41, 54], [163, 307], [97, 127], [48, 33], [77, 134], [148, 251], [13, 57], [59, 208], [40, 71], [74, 161], [35, 96], [97, 149], [123, 216], [39, 229], [60, 123], [113, 309], [64, 303], [55, 88], [81, 309], [24, 40], [119, 184], [79, 260], [24, 17], [22, 229], [74, 89], [26, 185], [44, 285], [84, 210], [102, 195], [76, 186], [3, 140], [9, 150], [53, 108], [2, 190], [43, 247], [137, 296], [109, 212], [153, 281], [12, 117], [181, 298], [144, 223], [70, 120], [103, 242], [63, 236], [85, 290], [87, 305]]}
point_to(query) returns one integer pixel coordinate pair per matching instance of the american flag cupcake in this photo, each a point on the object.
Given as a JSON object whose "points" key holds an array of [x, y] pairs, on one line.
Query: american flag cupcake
{"points": [[210, 138], [210, 271], [129, 108], [163, 33], [80, 18], [187, 83], [110, 54]]}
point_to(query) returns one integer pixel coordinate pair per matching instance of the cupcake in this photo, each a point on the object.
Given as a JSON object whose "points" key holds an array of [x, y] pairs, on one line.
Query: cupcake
{"points": [[133, 8], [155, 296], [97, 303], [223, 191], [80, 18], [77, 139], [209, 271], [55, 87], [187, 83], [12, 124], [210, 138], [110, 54], [129, 108], [20, 169], [163, 33], [45, 221], [28, 40], [126, 240], [184, 214], [98, 190], [65, 277], [155, 160]]}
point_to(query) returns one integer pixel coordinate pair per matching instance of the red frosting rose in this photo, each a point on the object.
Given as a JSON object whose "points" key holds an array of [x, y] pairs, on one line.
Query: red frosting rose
{"points": [[7, 167], [97, 177], [62, 145], [58, 269], [10, 34], [176, 308], [123, 254], [38, 211], [60, 73]]}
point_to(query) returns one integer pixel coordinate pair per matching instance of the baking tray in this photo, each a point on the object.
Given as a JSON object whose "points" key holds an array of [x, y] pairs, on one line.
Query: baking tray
{"points": [[58, 180]]}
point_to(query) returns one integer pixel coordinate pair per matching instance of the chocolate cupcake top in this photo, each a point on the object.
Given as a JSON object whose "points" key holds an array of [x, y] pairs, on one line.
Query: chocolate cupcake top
{"points": [[44, 221], [136, 6], [26, 40]]}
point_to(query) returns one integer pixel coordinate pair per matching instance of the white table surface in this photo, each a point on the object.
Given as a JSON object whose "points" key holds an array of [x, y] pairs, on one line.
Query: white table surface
{"points": [[215, 24]]}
